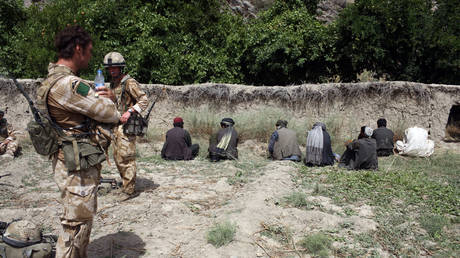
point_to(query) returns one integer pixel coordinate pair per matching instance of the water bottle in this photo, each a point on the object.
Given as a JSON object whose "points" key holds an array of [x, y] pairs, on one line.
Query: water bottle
{"points": [[99, 80]]}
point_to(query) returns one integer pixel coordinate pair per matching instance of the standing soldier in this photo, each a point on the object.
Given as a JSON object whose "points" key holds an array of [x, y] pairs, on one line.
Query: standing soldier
{"points": [[131, 101], [75, 107], [8, 144]]}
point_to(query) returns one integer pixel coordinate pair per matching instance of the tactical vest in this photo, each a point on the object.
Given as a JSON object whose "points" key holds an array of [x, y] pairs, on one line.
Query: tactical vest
{"points": [[48, 137], [136, 124], [44, 135], [121, 102]]}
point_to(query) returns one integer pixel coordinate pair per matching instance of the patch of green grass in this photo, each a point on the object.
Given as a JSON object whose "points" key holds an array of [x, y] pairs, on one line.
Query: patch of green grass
{"points": [[247, 167], [317, 244], [349, 211], [434, 224], [152, 159], [422, 182], [148, 170], [221, 234], [28, 180], [153, 135], [106, 171], [407, 194], [297, 200], [279, 233], [366, 240]]}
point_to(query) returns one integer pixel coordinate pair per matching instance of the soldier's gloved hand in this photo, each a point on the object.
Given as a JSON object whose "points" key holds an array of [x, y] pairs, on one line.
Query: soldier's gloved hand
{"points": [[124, 118], [106, 93]]}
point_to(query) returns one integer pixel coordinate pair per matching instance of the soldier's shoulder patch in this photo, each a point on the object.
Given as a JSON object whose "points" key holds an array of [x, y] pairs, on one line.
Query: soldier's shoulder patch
{"points": [[82, 89]]}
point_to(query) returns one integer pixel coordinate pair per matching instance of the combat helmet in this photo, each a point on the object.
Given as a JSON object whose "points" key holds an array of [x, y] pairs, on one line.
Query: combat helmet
{"points": [[114, 59], [22, 233]]}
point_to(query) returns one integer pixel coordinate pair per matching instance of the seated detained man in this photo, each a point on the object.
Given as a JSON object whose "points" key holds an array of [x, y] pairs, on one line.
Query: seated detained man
{"points": [[283, 143], [224, 144], [384, 138], [319, 149], [361, 153], [178, 144]]}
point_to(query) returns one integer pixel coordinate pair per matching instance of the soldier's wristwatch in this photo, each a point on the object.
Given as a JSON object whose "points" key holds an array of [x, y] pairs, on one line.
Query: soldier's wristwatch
{"points": [[130, 110]]}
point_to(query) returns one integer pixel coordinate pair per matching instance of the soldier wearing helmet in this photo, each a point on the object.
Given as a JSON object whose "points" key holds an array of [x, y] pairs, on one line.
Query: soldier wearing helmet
{"points": [[8, 144], [130, 101]]}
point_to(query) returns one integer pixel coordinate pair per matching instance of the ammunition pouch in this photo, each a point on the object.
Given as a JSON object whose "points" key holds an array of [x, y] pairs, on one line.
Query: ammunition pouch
{"points": [[43, 136], [135, 126], [80, 154]]}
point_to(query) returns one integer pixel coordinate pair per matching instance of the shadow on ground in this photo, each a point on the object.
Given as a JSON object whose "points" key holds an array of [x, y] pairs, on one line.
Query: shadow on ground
{"points": [[121, 244], [145, 185]]}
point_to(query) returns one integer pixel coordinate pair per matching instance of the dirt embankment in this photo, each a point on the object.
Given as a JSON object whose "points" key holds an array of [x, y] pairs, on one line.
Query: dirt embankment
{"points": [[403, 104]]}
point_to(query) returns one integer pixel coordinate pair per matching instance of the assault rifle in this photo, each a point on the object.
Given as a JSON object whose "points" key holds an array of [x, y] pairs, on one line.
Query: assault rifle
{"points": [[36, 113], [113, 183], [34, 110], [9, 174], [149, 110]]}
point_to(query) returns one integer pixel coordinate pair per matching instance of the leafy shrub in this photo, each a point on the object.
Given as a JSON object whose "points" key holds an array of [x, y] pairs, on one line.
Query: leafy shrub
{"points": [[171, 42], [11, 14], [287, 46], [317, 244], [404, 39], [297, 199], [183, 42], [221, 234]]}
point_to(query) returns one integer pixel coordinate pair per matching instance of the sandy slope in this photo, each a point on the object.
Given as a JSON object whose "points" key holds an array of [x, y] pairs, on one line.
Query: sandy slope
{"points": [[179, 202]]}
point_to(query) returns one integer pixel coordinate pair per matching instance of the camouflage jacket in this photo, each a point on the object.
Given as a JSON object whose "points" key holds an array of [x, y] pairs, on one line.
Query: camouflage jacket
{"points": [[133, 96], [72, 100], [6, 131]]}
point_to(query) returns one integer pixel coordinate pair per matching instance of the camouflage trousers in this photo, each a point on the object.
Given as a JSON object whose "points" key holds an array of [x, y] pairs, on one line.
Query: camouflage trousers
{"points": [[124, 154], [9, 148], [79, 202]]}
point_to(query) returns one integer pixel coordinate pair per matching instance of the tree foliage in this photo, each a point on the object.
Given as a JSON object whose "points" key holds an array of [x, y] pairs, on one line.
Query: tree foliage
{"points": [[287, 45], [399, 39], [183, 41]]}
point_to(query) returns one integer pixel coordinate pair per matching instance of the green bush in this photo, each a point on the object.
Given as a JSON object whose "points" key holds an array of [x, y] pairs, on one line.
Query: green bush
{"points": [[400, 39], [287, 46], [11, 15], [184, 42], [297, 199], [317, 244], [171, 42], [433, 224], [221, 234]]}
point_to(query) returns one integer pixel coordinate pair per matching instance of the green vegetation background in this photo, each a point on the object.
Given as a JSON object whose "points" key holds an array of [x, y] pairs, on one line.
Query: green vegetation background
{"points": [[183, 42]]}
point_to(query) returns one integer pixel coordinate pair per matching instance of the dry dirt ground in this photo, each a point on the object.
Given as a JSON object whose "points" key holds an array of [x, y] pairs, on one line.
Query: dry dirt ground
{"points": [[180, 201]]}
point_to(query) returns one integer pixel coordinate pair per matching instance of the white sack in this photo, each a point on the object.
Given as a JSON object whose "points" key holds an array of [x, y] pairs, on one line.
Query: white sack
{"points": [[415, 143]]}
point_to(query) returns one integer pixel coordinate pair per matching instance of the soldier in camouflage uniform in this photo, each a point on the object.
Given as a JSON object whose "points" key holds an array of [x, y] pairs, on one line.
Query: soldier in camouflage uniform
{"points": [[130, 99], [72, 102], [8, 144]]}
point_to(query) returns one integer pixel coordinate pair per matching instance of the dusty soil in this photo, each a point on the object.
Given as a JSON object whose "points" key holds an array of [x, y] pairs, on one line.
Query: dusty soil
{"points": [[178, 204]]}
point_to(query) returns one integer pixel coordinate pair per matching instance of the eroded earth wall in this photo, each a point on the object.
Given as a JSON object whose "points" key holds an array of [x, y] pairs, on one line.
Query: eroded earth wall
{"points": [[354, 104]]}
